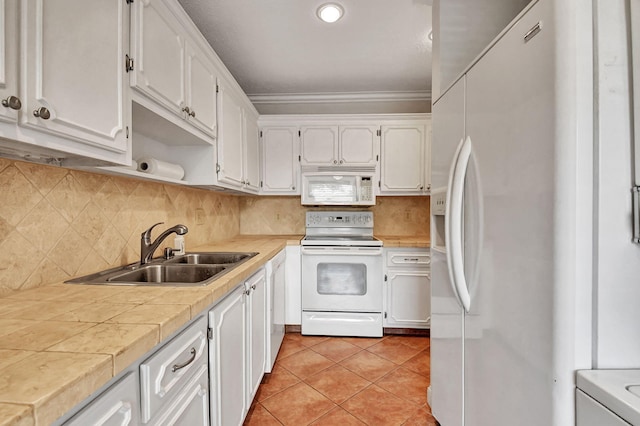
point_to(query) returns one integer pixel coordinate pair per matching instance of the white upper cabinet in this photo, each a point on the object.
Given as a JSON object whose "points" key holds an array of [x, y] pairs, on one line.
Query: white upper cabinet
{"points": [[252, 152], [349, 145], [319, 145], [404, 159], [201, 87], [238, 149], [230, 159], [280, 164], [359, 145], [169, 67], [74, 70], [11, 102]]}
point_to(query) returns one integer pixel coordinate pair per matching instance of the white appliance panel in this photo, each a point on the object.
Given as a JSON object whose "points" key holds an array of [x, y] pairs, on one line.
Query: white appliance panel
{"points": [[510, 120], [446, 312]]}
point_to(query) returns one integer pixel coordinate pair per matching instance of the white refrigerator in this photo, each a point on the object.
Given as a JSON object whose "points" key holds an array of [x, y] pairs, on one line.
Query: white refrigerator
{"points": [[512, 225]]}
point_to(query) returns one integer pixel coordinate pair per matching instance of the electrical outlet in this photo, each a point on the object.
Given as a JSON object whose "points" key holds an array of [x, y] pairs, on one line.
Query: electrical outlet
{"points": [[200, 216], [407, 215], [277, 216]]}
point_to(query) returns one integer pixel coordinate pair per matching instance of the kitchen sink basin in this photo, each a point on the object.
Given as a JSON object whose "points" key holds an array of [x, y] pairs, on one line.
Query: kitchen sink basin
{"points": [[158, 274], [190, 269], [211, 258]]}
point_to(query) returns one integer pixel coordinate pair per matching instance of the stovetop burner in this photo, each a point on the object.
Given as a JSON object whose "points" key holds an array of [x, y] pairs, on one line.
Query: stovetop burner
{"points": [[340, 228]]}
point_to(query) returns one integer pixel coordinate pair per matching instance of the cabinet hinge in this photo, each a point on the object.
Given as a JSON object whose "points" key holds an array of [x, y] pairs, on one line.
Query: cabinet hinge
{"points": [[260, 184], [299, 158], [210, 333], [386, 278], [379, 184], [217, 88], [129, 1], [377, 158], [378, 132], [385, 315], [260, 133], [217, 168], [128, 63], [127, 132], [299, 133]]}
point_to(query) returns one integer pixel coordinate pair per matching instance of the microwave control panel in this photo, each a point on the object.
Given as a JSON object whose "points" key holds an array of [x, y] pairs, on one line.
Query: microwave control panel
{"points": [[338, 219], [366, 189]]}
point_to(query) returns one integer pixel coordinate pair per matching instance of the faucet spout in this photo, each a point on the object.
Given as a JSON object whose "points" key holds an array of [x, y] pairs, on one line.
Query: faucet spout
{"points": [[147, 247]]}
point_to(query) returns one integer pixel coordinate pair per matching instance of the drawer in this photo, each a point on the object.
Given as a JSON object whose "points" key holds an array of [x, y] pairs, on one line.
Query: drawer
{"points": [[118, 405], [408, 258], [165, 373]]}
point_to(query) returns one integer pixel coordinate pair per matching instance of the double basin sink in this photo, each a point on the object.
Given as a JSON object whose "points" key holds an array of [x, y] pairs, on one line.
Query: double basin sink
{"points": [[190, 269]]}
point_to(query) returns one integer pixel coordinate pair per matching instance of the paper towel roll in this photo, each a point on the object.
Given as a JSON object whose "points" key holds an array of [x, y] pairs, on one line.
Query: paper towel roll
{"points": [[160, 168]]}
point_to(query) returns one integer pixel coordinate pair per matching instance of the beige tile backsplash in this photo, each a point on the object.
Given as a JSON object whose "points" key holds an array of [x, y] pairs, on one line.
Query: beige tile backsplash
{"points": [[402, 216], [56, 223]]}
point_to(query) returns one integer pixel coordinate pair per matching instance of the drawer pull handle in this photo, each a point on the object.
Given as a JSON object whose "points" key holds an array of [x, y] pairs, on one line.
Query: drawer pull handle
{"points": [[413, 259], [177, 367]]}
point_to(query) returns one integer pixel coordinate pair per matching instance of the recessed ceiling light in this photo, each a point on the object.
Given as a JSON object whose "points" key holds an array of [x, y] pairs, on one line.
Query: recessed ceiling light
{"points": [[330, 12]]}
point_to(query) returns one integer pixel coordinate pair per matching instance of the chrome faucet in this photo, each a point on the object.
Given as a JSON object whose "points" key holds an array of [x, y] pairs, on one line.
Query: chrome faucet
{"points": [[147, 247]]}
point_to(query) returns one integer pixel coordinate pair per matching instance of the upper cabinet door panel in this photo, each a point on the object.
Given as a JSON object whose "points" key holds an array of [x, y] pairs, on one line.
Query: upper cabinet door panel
{"points": [[358, 145], [74, 69], [403, 158], [252, 153], [280, 160], [230, 151], [319, 145], [8, 61], [201, 90], [158, 49]]}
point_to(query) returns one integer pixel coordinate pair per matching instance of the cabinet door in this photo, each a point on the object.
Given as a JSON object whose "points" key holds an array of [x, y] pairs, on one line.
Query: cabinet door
{"points": [[427, 156], [158, 49], [11, 102], [402, 165], [201, 83], [293, 286], [257, 333], [74, 70], [227, 363], [230, 153], [117, 406], [359, 145], [408, 298], [319, 145], [252, 152], [280, 165], [191, 405]]}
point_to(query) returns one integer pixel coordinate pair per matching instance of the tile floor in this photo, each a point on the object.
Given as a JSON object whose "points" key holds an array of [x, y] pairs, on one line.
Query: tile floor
{"points": [[346, 381]]}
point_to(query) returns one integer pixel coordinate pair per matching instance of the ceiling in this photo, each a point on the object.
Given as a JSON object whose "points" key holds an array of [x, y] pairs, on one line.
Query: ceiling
{"points": [[377, 58]]}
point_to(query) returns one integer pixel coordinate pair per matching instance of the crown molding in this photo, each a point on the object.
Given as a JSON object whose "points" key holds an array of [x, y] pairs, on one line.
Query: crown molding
{"points": [[339, 97]]}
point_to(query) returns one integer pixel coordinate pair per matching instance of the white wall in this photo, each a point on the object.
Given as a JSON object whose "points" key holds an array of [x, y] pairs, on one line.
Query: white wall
{"points": [[617, 289]]}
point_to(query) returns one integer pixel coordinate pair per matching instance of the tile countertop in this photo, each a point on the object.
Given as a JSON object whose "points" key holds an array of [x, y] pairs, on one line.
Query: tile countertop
{"points": [[60, 343], [392, 241]]}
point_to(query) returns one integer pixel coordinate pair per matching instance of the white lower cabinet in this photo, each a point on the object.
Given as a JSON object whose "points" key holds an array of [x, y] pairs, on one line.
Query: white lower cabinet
{"points": [[168, 375], [190, 407], [293, 287], [407, 288], [237, 351], [117, 406], [275, 269]]}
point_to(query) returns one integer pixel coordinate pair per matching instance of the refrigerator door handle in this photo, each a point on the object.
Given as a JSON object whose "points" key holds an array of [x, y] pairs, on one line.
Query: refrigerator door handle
{"points": [[447, 220], [455, 244]]}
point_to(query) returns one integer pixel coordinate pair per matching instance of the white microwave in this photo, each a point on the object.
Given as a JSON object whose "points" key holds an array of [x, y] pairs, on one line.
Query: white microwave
{"points": [[336, 188]]}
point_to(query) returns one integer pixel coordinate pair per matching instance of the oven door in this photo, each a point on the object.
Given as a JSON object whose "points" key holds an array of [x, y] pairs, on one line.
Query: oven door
{"points": [[342, 279]]}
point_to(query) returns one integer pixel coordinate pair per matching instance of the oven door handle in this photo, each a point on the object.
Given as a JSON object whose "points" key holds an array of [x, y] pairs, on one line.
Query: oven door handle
{"points": [[354, 251]]}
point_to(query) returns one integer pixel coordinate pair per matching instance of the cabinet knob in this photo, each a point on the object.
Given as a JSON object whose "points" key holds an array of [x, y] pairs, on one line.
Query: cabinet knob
{"points": [[187, 110], [248, 183], [293, 188], [335, 161], [43, 113], [192, 113], [421, 187], [12, 102], [253, 287]]}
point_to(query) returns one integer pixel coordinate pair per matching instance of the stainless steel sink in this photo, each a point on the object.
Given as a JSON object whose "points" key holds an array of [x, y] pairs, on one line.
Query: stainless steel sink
{"points": [[190, 269], [159, 274], [221, 258]]}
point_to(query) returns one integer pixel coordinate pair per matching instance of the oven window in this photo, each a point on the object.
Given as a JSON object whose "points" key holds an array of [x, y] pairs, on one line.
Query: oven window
{"points": [[342, 279]]}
